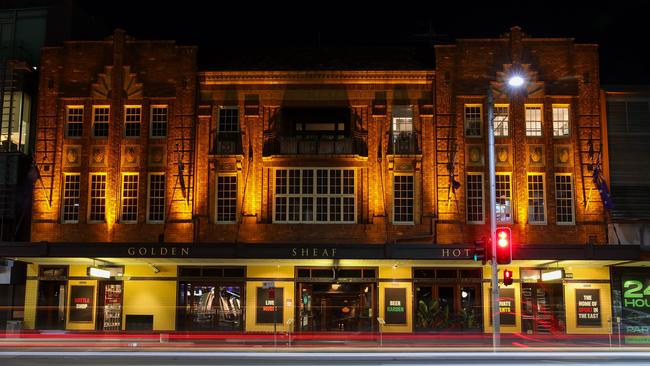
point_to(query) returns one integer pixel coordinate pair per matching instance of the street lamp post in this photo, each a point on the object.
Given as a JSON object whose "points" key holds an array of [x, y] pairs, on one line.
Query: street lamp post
{"points": [[514, 81], [496, 325]]}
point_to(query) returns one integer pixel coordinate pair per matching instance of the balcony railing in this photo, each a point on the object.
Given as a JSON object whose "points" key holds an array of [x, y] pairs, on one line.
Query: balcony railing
{"points": [[405, 143], [286, 145], [227, 143]]}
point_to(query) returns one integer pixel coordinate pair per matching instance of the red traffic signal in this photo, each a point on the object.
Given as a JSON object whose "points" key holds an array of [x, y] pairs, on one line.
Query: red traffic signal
{"points": [[504, 245], [507, 277]]}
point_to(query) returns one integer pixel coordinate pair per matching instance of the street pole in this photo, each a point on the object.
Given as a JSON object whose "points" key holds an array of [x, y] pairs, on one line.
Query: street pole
{"points": [[496, 325]]}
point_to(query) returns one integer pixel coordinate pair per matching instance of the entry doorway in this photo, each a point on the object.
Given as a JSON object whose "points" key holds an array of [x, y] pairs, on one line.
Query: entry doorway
{"points": [[50, 311], [447, 299], [542, 308], [335, 306], [333, 299]]}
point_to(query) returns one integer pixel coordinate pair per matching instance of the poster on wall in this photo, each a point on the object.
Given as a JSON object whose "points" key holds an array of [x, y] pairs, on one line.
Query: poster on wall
{"points": [[81, 303], [270, 307], [588, 308], [636, 304], [507, 309], [395, 306]]}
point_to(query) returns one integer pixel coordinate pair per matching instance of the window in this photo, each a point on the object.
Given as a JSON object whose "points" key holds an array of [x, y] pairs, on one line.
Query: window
{"points": [[252, 105], [501, 120], [100, 121], [560, 121], [536, 204], [475, 214], [533, 120], [503, 198], [129, 212], [97, 202], [402, 119], [403, 194], [314, 195], [74, 121], [228, 119], [156, 199], [71, 195], [132, 117], [158, 127], [564, 198], [226, 198], [473, 120]]}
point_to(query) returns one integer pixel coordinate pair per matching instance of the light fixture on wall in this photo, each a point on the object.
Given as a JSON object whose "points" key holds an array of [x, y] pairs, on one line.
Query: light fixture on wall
{"points": [[154, 268], [98, 272]]}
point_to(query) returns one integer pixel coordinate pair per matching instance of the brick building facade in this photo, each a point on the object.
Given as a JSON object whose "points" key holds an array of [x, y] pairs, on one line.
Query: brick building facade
{"points": [[171, 176]]}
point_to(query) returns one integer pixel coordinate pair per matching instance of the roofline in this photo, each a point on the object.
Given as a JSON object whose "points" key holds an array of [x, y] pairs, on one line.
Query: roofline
{"points": [[317, 77]]}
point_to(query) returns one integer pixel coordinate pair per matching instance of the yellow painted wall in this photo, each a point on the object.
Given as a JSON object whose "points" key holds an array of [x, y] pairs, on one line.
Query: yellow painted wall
{"points": [[31, 298], [487, 274], [269, 272], [151, 297], [605, 308], [251, 304], [395, 272], [80, 325], [408, 327], [147, 271]]}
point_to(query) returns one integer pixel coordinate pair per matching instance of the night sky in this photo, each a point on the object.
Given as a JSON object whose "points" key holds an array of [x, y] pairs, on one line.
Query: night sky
{"points": [[221, 29]]}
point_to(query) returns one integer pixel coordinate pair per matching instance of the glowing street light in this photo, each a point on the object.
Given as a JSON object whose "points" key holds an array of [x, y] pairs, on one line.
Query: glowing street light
{"points": [[516, 81]]}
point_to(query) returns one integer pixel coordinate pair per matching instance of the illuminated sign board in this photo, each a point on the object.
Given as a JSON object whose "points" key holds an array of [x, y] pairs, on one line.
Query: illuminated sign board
{"points": [[395, 305], [636, 304]]}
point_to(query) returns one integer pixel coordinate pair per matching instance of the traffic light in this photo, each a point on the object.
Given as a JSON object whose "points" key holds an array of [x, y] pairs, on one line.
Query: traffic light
{"points": [[504, 245], [507, 277], [479, 251]]}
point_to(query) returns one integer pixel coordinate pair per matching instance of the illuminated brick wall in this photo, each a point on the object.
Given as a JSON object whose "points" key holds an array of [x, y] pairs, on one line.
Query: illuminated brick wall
{"points": [[121, 71]]}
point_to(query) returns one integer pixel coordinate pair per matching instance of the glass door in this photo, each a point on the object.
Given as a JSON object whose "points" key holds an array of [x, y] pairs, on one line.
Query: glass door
{"points": [[51, 310], [542, 308]]}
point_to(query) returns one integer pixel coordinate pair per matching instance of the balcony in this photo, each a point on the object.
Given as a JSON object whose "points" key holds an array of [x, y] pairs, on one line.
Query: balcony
{"points": [[314, 145], [405, 143], [227, 143]]}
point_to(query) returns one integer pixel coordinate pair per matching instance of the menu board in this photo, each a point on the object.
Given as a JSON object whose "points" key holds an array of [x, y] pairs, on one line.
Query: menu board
{"points": [[81, 303], [395, 306], [588, 308], [270, 305]]}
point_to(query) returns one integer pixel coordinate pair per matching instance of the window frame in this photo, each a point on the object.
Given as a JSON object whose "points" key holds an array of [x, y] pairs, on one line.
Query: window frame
{"points": [[228, 107], [123, 197], [466, 106], [126, 123], [572, 200], [527, 130], [315, 195], [63, 198], [68, 122], [394, 221], [151, 120], [90, 197], [467, 197], [510, 189], [568, 120], [94, 121], [217, 200], [164, 197], [507, 120], [528, 198]]}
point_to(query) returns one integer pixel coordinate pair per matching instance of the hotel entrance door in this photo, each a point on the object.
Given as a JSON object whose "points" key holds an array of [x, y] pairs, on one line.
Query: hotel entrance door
{"points": [[542, 308], [336, 306]]}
